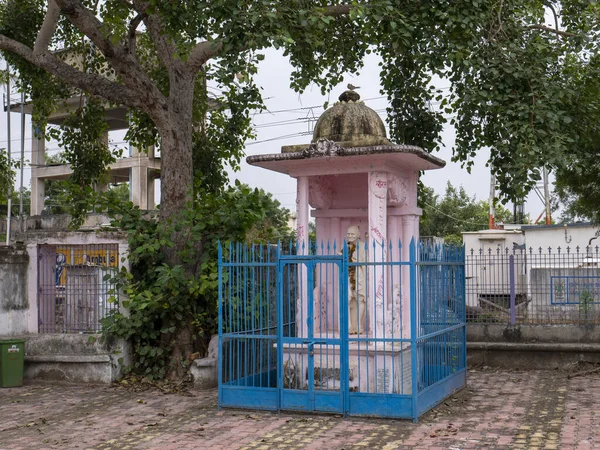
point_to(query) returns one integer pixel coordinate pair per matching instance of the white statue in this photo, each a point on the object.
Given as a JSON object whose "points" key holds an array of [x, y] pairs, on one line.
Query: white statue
{"points": [[356, 280]]}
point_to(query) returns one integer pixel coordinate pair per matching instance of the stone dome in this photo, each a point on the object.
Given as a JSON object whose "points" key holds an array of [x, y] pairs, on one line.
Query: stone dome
{"points": [[351, 123]]}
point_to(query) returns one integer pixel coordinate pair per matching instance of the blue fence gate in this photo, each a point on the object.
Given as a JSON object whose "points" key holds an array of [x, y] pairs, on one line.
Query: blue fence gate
{"points": [[359, 331]]}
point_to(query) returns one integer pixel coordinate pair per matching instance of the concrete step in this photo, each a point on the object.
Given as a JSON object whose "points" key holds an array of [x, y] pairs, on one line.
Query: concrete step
{"points": [[65, 344], [67, 358], [531, 355], [81, 358]]}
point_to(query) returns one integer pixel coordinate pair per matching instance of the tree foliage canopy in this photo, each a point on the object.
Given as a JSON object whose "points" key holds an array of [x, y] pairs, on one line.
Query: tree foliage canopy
{"points": [[521, 72], [577, 177], [578, 189]]}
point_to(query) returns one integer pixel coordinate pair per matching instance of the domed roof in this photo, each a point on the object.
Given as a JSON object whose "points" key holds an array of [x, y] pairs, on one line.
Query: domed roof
{"points": [[351, 123]]}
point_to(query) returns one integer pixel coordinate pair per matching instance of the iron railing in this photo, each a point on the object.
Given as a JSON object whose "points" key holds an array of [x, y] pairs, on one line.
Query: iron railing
{"points": [[288, 338], [533, 286], [74, 286]]}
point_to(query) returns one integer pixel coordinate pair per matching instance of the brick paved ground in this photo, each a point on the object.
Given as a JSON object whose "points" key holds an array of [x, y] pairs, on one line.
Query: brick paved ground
{"points": [[498, 410]]}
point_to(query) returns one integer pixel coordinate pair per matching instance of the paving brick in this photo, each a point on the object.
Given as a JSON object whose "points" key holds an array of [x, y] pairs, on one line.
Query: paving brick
{"points": [[498, 410]]}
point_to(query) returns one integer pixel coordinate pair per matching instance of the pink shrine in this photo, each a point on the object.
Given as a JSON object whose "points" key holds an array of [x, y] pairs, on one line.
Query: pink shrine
{"points": [[352, 175]]}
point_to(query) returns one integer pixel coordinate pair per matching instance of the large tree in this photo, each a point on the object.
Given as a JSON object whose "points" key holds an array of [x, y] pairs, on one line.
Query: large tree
{"points": [[511, 78], [577, 184], [510, 72], [163, 301]]}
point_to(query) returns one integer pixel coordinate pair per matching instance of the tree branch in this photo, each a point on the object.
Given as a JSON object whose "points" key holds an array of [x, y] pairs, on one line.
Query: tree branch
{"points": [[89, 82], [551, 30], [131, 39], [48, 27], [554, 14], [119, 58], [202, 52], [209, 49], [89, 25], [337, 10], [165, 47]]}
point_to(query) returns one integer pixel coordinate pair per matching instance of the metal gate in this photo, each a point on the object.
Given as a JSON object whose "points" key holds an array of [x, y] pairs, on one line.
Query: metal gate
{"points": [[74, 286], [313, 361], [285, 342]]}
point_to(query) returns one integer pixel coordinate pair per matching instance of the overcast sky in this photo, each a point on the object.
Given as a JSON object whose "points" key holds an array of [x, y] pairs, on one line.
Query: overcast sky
{"points": [[290, 120], [291, 114]]}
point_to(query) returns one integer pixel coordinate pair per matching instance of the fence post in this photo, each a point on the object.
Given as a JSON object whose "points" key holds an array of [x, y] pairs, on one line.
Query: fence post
{"points": [[511, 270], [279, 283], [220, 325], [343, 316], [414, 363]]}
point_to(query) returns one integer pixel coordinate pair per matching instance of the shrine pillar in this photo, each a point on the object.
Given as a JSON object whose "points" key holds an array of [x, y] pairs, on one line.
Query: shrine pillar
{"points": [[377, 253], [410, 233], [303, 243]]}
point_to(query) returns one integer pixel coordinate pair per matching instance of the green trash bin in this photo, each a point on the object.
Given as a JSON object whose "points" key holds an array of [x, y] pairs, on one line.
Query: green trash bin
{"points": [[12, 353]]}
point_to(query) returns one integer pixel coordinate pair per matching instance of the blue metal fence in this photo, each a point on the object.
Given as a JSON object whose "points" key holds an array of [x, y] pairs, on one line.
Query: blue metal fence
{"points": [[441, 336], [355, 330]]}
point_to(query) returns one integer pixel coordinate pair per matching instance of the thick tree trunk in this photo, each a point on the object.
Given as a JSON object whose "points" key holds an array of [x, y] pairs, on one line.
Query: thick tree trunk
{"points": [[177, 178], [182, 346], [177, 173], [176, 169]]}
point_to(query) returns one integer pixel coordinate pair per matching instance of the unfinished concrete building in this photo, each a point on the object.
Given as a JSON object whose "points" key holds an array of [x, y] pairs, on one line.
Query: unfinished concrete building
{"points": [[140, 168]]}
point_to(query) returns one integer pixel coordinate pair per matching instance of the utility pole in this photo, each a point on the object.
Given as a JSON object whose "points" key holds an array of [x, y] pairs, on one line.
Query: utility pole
{"points": [[8, 213], [22, 156], [492, 221], [547, 197]]}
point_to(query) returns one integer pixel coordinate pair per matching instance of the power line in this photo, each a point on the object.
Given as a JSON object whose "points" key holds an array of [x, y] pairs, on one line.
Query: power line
{"points": [[287, 136], [454, 218], [298, 121], [305, 108]]}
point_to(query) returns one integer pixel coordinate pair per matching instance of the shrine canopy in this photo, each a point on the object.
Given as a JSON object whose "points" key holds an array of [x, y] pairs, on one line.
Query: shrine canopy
{"points": [[349, 137], [352, 175]]}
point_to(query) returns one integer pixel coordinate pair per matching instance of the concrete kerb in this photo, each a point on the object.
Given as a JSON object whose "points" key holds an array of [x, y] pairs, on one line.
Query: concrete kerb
{"points": [[502, 332], [530, 347], [82, 358]]}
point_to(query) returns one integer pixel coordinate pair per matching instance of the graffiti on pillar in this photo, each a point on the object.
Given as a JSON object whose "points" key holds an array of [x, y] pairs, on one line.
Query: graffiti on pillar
{"points": [[378, 187], [300, 233], [397, 191], [61, 260], [67, 256]]}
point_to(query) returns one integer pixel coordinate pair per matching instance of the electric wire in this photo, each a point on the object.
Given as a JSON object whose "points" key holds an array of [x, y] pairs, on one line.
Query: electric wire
{"points": [[452, 217]]}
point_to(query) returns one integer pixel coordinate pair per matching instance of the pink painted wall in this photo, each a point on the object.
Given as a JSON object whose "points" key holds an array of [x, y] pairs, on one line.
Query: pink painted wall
{"points": [[341, 200]]}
